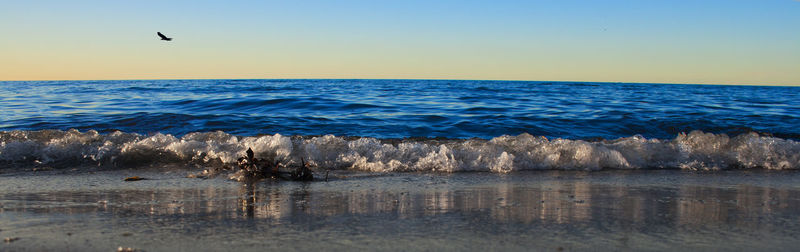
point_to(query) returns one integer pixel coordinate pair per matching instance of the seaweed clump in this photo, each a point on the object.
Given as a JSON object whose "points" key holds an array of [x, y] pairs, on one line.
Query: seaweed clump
{"points": [[251, 168]]}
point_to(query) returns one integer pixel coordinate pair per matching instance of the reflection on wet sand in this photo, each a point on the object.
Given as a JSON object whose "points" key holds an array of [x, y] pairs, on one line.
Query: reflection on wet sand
{"points": [[745, 206]]}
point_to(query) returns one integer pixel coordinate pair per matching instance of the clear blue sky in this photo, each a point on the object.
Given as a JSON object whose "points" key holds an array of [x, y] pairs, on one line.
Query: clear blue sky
{"points": [[724, 42]]}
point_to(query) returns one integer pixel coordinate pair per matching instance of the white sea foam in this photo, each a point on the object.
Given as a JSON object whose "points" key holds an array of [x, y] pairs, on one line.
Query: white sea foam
{"points": [[696, 150]]}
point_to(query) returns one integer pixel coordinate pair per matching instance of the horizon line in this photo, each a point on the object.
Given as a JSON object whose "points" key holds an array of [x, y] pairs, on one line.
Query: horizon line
{"points": [[432, 79]]}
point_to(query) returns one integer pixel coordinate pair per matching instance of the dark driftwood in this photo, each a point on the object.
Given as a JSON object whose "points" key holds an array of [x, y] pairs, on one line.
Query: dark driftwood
{"points": [[255, 168]]}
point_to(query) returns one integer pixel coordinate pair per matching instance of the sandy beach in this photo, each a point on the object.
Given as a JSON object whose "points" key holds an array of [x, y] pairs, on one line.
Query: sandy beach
{"points": [[95, 210]]}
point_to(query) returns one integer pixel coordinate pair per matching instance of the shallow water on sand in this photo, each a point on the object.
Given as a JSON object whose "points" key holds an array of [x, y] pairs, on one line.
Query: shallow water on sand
{"points": [[548, 210]]}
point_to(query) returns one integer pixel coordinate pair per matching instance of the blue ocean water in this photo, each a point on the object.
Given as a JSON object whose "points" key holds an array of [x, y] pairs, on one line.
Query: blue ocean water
{"points": [[399, 108], [109, 118]]}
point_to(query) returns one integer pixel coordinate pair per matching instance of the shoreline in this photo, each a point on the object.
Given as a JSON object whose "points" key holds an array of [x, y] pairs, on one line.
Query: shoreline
{"points": [[545, 210]]}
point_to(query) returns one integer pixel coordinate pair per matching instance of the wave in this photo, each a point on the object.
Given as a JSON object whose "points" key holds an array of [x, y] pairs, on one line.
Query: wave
{"points": [[695, 150]]}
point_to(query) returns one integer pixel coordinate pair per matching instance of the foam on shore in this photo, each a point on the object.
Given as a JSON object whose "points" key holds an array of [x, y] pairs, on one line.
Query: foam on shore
{"points": [[696, 150]]}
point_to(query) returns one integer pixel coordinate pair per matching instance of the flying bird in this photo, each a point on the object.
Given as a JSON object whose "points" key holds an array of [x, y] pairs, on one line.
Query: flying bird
{"points": [[163, 37]]}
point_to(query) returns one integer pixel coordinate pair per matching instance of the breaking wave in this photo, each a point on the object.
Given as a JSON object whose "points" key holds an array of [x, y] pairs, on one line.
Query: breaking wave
{"points": [[695, 150]]}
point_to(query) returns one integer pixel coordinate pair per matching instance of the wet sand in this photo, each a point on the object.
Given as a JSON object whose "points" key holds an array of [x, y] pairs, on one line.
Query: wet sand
{"points": [[548, 211]]}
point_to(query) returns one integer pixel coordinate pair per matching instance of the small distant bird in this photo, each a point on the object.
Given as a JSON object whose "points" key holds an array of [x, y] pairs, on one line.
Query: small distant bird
{"points": [[163, 37]]}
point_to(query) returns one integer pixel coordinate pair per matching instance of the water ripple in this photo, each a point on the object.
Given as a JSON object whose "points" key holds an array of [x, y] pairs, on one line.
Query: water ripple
{"points": [[400, 108]]}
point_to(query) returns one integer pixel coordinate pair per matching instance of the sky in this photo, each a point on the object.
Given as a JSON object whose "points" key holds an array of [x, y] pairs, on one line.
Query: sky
{"points": [[751, 42]]}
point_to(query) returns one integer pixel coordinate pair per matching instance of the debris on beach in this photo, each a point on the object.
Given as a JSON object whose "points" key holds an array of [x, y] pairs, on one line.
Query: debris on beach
{"points": [[134, 178], [302, 173], [10, 239], [251, 168]]}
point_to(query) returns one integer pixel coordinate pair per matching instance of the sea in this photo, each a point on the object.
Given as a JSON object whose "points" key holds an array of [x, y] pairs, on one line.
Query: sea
{"points": [[398, 165], [400, 125]]}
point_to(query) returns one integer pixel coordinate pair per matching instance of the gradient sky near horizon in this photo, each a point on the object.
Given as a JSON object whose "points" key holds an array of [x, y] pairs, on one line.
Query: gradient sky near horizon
{"points": [[658, 41]]}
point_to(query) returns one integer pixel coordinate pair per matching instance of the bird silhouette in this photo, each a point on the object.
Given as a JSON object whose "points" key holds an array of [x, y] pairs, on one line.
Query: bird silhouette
{"points": [[163, 37]]}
